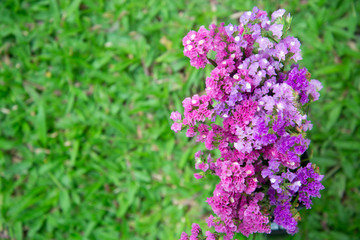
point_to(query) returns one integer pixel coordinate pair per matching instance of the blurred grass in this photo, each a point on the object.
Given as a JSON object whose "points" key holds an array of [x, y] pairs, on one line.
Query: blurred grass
{"points": [[86, 91]]}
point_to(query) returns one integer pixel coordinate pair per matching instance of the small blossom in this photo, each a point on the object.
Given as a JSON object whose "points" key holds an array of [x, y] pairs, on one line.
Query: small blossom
{"points": [[176, 127], [277, 14], [175, 116], [198, 175], [276, 29]]}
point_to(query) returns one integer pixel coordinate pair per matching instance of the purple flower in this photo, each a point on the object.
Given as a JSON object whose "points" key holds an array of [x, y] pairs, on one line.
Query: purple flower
{"points": [[294, 187], [253, 68], [275, 182], [276, 29], [277, 14], [264, 63], [283, 217], [280, 51], [313, 88], [230, 29], [256, 31], [288, 175], [292, 44], [244, 19], [254, 13], [310, 184], [270, 70], [264, 43]]}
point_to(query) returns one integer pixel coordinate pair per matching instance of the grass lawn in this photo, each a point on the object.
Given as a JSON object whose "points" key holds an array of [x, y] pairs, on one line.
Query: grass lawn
{"points": [[86, 91]]}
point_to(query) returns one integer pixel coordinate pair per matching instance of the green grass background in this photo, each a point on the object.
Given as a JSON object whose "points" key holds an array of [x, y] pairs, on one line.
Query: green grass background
{"points": [[87, 88]]}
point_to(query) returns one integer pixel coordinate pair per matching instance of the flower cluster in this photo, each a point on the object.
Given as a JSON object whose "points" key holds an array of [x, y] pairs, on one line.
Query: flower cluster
{"points": [[196, 233], [261, 98]]}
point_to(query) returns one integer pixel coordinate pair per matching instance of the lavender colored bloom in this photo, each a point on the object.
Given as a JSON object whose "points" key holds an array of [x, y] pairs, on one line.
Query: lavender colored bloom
{"points": [[292, 44], [288, 175], [244, 64], [244, 19], [313, 88], [276, 29], [219, 108], [256, 31], [264, 63], [296, 57], [230, 29], [264, 43], [280, 51], [244, 86], [270, 70], [266, 172], [275, 182], [253, 68], [254, 13], [241, 42], [277, 14], [294, 187], [231, 101], [274, 165]]}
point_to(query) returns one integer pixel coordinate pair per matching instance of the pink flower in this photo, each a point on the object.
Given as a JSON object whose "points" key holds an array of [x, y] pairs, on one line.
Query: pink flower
{"points": [[184, 236], [249, 170], [202, 166], [198, 175], [190, 132], [175, 116], [176, 127]]}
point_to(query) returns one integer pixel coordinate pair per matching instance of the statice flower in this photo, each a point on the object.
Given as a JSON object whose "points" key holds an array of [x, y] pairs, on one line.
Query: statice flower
{"points": [[276, 30], [277, 14], [184, 236], [253, 112], [284, 217], [197, 234], [176, 117], [310, 184]]}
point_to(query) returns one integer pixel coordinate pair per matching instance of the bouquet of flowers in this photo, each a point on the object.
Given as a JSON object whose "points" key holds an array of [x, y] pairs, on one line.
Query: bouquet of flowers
{"points": [[259, 97]]}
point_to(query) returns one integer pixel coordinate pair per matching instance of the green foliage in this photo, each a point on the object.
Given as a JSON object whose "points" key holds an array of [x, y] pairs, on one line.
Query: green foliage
{"points": [[87, 88]]}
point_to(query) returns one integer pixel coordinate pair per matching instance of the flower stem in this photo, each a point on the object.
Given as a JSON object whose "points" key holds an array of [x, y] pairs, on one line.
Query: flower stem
{"points": [[254, 236], [212, 62], [271, 37]]}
